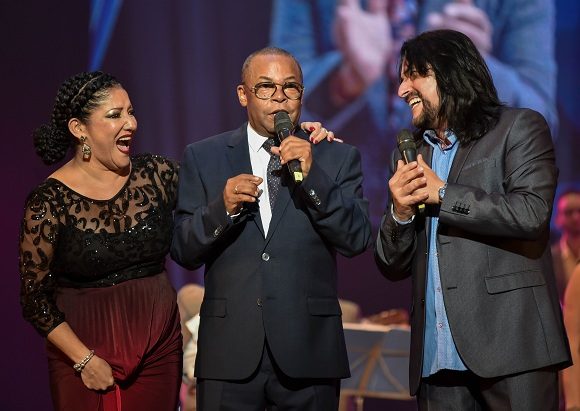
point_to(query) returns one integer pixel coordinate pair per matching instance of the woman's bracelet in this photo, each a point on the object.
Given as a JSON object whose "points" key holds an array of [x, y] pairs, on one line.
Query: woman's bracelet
{"points": [[81, 365]]}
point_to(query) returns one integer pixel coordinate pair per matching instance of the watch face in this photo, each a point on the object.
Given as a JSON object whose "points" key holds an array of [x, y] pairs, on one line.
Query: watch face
{"points": [[441, 193]]}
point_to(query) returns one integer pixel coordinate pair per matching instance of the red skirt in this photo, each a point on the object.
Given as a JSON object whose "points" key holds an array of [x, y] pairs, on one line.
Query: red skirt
{"points": [[134, 326]]}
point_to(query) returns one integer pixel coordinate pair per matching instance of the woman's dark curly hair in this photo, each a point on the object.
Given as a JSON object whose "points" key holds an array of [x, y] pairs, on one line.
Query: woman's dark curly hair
{"points": [[77, 97]]}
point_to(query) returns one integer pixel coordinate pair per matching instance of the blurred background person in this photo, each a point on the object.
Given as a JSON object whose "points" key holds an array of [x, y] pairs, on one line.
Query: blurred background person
{"points": [[566, 255], [348, 50], [566, 251], [189, 300], [571, 375]]}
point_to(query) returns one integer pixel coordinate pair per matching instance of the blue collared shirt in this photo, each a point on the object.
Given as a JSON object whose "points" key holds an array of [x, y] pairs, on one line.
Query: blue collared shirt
{"points": [[439, 350]]}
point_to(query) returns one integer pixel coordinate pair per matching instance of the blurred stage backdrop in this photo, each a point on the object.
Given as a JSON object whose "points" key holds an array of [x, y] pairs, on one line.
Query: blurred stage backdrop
{"points": [[180, 62]]}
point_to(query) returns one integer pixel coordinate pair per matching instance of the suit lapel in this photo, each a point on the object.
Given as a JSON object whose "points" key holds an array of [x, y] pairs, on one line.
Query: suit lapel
{"points": [[239, 159], [459, 162], [284, 196], [238, 152]]}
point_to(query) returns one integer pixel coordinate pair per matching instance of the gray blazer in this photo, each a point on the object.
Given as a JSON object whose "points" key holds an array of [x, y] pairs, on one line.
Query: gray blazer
{"points": [[494, 255], [282, 287]]}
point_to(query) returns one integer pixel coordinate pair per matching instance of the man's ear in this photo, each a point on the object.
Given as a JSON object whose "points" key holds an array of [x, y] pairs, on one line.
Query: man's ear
{"points": [[76, 128], [242, 97]]}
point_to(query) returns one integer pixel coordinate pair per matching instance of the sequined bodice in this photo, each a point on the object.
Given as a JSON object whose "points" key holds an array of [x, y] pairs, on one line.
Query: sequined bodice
{"points": [[70, 240]]}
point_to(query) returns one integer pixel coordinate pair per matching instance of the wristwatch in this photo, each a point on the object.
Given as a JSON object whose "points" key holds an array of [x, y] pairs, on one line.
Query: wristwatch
{"points": [[442, 192]]}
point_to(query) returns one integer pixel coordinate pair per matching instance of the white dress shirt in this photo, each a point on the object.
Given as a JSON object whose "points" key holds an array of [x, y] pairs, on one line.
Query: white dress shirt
{"points": [[259, 159]]}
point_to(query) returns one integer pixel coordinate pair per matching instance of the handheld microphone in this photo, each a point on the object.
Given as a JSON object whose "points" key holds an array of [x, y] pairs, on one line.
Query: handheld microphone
{"points": [[284, 127], [408, 150], [407, 146]]}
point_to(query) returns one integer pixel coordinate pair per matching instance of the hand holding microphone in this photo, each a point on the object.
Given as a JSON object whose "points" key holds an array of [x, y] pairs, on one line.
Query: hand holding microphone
{"points": [[408, 150], [408, 182], [294, 152], [416, 183]]}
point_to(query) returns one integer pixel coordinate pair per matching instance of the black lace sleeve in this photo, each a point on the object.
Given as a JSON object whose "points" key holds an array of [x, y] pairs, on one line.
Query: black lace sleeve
{"points": [[168, 172], [38, 238]]}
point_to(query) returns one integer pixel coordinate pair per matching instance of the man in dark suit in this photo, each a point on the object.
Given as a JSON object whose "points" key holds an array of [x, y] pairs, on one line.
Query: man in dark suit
{"points": [[270, 334], [469, 223]]}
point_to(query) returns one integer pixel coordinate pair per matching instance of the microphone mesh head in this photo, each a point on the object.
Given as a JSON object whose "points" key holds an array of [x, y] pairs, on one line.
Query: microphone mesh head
{"points": [[406, 145], [282, 121], [405, 135]]}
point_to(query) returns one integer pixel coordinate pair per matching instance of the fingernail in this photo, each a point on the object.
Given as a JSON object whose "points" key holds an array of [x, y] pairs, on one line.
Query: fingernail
{"points": [[311, 139], [311, 128]]}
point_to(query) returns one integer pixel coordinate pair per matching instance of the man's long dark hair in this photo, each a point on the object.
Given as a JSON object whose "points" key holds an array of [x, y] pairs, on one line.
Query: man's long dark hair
{"points": [[469, 104]]}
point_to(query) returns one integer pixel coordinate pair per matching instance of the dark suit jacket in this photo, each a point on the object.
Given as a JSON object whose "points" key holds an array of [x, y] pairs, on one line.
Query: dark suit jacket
{"points": [[282, 287], [494, 255]]}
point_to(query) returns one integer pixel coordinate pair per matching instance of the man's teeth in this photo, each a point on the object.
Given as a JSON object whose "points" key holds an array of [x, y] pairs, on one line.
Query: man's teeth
{"points": [[413, 101]]}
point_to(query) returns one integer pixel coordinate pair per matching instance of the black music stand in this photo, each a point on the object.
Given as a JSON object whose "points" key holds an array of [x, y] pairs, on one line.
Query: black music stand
{"points": [[379, 362]]}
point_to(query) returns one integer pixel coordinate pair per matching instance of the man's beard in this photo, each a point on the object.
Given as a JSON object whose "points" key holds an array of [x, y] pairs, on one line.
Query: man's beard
{"points": [[427, 120]]}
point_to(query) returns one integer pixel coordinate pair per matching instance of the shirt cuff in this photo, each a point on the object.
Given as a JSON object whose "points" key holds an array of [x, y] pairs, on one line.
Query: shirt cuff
{"points": [[232, 217]]}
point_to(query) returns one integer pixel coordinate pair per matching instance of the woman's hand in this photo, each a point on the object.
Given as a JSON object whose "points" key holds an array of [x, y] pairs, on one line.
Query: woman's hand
{"points": [[97, 374], [317, 132]]}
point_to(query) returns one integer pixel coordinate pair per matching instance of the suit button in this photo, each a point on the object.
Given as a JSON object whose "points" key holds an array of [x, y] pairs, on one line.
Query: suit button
{"points": [[259, 302], [265, 256], [217, 231]]}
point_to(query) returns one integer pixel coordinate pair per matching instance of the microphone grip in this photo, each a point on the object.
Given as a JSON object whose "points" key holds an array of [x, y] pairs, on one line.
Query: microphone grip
{"points": [[295, 169], [294, 166], [409, 155]]}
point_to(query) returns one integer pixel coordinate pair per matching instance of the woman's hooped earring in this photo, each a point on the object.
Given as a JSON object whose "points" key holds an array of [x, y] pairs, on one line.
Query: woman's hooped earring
{"points": [[86, 149]]}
